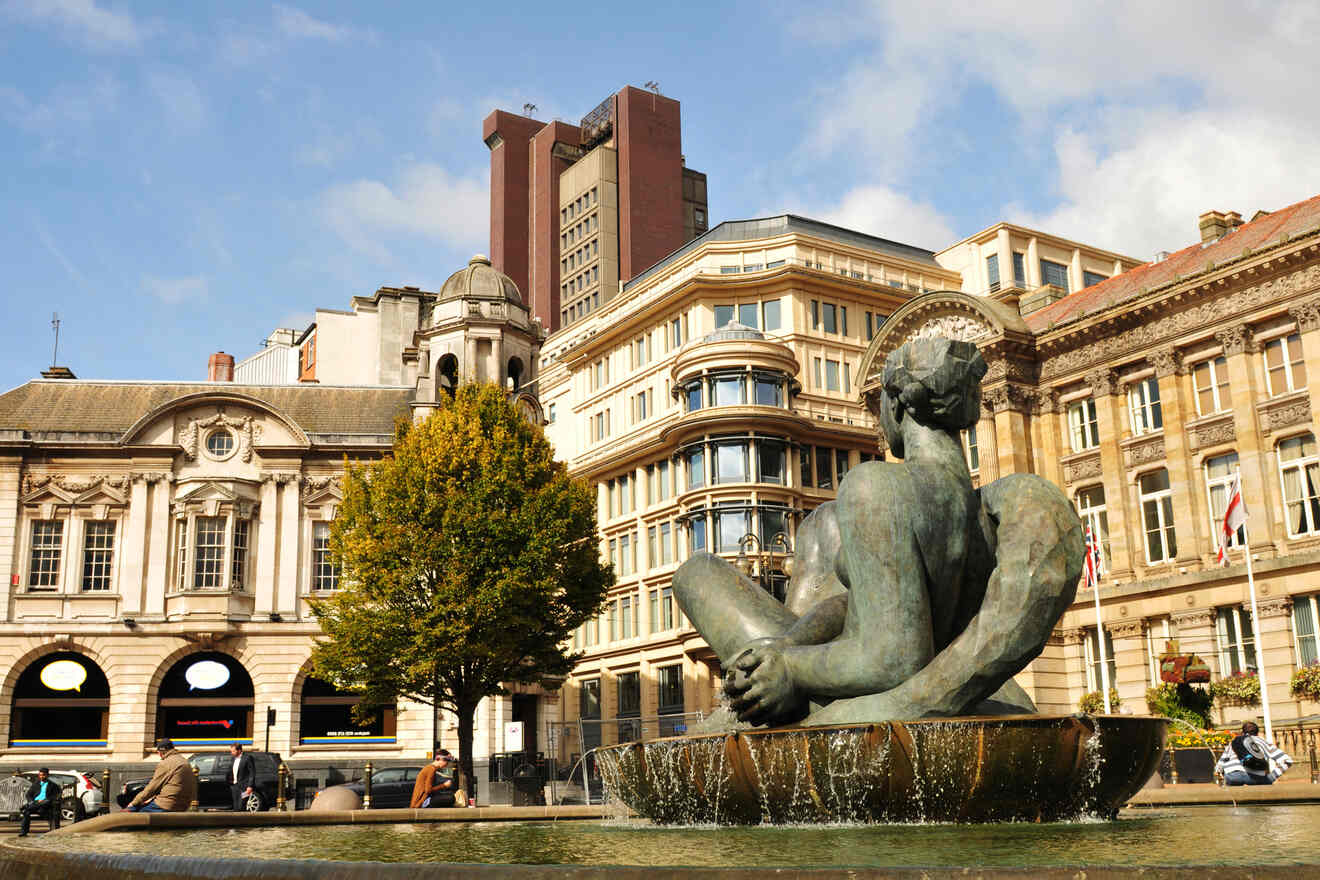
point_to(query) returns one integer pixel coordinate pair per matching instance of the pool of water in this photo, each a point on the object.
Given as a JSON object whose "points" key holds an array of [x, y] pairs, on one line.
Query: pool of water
{"points": [[1260, 835]]}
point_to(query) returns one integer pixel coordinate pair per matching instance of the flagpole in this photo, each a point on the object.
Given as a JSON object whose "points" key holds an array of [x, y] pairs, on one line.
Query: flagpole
{"points": [[1104, 661], [1260, 647]]}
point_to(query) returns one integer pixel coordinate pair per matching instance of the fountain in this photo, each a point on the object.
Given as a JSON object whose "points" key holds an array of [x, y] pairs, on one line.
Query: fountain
{"points": [[881, 689]]}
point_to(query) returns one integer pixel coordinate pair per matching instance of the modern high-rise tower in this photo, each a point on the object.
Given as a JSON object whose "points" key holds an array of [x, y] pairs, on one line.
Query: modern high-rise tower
{"points": [[576, 209]]}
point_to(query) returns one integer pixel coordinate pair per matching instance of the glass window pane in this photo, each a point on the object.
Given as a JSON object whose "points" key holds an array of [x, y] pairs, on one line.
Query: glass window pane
{"points": [[832, 375], [770, 309], [1304, 627], [697, 533], [747, 314], [828, 318], [770, 456], [731, 462], [723, 315], [696, 468], [769, 391], [728, 390], [824, 469]]}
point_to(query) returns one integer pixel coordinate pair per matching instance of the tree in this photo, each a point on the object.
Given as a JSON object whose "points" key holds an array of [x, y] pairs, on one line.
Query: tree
{"points": [[468, 557]]}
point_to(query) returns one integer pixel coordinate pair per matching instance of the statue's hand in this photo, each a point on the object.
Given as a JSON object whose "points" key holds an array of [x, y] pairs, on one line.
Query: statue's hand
{"points": [[760, 686]]}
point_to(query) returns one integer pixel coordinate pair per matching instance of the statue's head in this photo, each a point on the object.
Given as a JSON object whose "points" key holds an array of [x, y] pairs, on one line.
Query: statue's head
{"points": [[936, 382]]}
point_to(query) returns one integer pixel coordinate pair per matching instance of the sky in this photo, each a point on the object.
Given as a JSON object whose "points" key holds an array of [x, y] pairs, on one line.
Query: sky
{"points": [[182, 178]]}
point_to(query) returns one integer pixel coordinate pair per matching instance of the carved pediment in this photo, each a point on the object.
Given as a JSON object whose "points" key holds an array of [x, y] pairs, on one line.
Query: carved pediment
{"points": [[75, 488], [319, 488]]}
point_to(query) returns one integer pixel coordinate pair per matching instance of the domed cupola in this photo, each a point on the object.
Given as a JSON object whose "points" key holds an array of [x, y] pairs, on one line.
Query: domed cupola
{"points": [[479, 280]]}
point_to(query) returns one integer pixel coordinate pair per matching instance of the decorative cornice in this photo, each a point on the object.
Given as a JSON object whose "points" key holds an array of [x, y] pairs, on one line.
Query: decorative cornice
{"points": [[1236, 340], [1044, 401], [1215, 309], [1008, 396], [1166, 361], [150, 477], [1082, 467], [279, 478], [1123, 629], [75, 484], [1280, 607], [1074, 636], [1103, 382], [1195, 617], [1211, 432], [1306, 314], [1143, 451]]}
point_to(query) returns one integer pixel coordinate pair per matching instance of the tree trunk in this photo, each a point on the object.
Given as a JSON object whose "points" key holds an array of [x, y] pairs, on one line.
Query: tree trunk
{"points": [[465, 712]]}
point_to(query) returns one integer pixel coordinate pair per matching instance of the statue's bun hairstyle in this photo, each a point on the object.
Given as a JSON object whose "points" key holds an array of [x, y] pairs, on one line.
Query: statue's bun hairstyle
{"points": [[938, 381]]}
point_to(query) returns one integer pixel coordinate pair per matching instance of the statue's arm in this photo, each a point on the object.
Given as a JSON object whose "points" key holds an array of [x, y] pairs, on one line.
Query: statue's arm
{"points": [[822, 623]]}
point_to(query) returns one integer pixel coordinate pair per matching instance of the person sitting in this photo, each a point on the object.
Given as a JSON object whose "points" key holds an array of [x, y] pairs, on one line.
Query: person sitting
{"points": [[1250, 760], [173, 787], [435, 784], [43, 799]]}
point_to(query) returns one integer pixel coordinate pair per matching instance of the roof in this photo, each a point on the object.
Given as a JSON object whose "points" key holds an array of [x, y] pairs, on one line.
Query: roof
{"points": [[480, 280], [1193, 260], [104, 407], [732, 330], [769, 227]]}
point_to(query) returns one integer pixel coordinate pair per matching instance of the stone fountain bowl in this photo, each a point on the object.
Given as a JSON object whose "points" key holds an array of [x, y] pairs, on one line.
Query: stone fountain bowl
{"points": [[1035, 768]]}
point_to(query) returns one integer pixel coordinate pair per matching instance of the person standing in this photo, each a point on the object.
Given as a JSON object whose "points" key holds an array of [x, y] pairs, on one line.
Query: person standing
{"points": [[1250, 760], [43, 798], [242, 776], [173, 787]]}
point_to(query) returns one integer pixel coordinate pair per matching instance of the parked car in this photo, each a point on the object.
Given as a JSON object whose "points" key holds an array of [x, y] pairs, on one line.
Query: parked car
{"points": [[213, 792], [391, 789], [82, 793]]}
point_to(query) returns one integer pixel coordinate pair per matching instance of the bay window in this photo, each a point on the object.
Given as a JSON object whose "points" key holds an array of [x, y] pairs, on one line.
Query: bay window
{"points": [[212, 552]]}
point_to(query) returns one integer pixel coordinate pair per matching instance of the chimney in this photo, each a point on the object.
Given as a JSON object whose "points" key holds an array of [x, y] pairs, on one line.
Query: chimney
{"points": [[220, 367], [1215, 225], [58, 373]]}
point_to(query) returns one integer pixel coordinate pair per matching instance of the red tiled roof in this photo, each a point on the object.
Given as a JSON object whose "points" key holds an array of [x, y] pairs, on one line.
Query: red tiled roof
{"points": [[1279, 225]]}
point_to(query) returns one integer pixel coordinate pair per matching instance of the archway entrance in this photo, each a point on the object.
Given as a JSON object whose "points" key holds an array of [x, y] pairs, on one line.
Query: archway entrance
{"points": [[327, 718], [61, 700], [205, 700]]}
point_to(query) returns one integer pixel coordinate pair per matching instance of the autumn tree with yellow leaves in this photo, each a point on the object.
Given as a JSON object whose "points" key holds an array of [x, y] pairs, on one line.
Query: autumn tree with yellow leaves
{"points": [[468, 557]]}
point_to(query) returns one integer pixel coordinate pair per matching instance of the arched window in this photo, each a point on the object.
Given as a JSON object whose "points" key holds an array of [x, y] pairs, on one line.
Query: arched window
{"points": [[446, 375], [327, 717], [515, 373], [205, 700], [61, 700]]}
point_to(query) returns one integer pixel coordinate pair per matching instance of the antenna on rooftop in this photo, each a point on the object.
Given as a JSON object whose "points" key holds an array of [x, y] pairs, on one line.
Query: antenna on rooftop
{"points": [[529, 108], [653, 86], [55, 325]]}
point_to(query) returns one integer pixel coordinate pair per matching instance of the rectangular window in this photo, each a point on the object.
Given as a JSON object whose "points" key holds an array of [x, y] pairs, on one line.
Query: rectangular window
{"points": [[550, 414], [1054, 273], [1020, 268], [824, 473], [829, 318], [730, 527], [840, 464], [1285, 370], [697, 533], [992, 271], [1093, 677], [628, 553], [630, 694], [771, 462], [652, 547], [1299, 473], [774, 521], [209, 553], [1219, 473], [804, 466], [696, 468], [98, 554], [1144, 406], [666, 543], [1091, 509], [723, 315], [47, 546], [817, 369], [730, 270], [870, 326], [747, 314], [661, 487], [670, 682], [728, 390], [731, 461], [971, 453], [843, 320], [1304, 629], [238, 555], [667, 616], [1237, 644], [1083, 429], [815, 314], [589, 698], [832, 375], [770, 312], [676, 335], [1157, 517], [769, 391], [325, 574], [613, 613], [1092, 278], [181, 544], [1211, 380]]}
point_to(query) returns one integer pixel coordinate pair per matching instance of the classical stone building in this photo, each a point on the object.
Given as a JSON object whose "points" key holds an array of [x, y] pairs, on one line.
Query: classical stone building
{"points": [[163, 539]]}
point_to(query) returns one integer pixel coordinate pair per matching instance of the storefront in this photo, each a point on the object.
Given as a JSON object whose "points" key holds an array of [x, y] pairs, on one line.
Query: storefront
{"points": [[327, 718], [61, 700], [205, 700]]}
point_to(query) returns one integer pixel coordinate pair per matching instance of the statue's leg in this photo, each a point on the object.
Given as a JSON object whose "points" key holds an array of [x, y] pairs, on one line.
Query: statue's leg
{"points": [[728, 609]]}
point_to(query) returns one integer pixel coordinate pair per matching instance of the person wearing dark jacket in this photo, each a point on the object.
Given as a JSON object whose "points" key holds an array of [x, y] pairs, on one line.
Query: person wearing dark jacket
{"points": [[242, 776], [43, 799]]}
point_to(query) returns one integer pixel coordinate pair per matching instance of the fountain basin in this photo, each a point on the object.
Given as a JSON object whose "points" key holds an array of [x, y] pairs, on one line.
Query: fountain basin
{"points": [[983, 769]]}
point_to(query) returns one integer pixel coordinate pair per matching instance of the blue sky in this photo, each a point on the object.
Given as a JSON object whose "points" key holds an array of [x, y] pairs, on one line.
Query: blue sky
{"points": [[182, 178]]}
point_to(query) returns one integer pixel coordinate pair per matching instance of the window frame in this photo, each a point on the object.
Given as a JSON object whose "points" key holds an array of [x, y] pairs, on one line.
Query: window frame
{"points": [[1236, 661], [1219, 389], [1162, 499], [1310, 503], [1145, 411], [1083, 424], [1288, 365]]}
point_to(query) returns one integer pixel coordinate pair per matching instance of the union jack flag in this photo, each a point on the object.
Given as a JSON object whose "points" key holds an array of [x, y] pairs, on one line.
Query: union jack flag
{"points": [[1095, 565]]}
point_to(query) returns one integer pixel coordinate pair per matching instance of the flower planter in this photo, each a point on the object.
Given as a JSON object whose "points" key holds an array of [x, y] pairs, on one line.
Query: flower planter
{"points": [[1192, 765]]}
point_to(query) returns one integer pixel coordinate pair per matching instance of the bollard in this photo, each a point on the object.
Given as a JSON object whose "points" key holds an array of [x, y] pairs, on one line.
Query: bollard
{"points": [[284, 781], [197, 775], [1315, 771], [105, 789], [366, 787]]}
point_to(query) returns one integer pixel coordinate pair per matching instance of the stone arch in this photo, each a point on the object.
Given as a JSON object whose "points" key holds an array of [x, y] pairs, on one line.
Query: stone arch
{"points": [[151, 698], [216, 397], [446, 375], [90, 699], [383, 731], [515, 373]]}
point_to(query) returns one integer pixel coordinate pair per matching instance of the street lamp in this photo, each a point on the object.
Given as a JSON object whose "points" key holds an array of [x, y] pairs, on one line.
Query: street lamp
{"points": [[761, 563]]}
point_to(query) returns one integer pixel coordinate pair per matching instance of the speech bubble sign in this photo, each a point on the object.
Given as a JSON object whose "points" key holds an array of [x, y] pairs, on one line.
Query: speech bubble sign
{"points": [[63, 675], [206, 675]]}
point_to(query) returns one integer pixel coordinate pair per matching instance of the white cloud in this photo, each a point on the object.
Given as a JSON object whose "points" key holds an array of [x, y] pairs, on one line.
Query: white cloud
{"points": [[295, 23], [878, 210], [83, 20], [68, 108], [426, 202], [173, 291], [180, 98]]}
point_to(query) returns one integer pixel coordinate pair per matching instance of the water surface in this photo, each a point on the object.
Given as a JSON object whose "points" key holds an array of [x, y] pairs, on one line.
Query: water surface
{"points": [[1261, 835]]}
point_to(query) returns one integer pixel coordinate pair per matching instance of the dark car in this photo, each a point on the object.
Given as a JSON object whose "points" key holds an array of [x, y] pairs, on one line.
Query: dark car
{"points": [[392, 788], [213, 769]]}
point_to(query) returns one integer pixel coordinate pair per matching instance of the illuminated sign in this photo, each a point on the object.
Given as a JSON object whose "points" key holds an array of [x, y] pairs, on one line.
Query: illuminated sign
{"points": [[206, 675], [63, 675]]}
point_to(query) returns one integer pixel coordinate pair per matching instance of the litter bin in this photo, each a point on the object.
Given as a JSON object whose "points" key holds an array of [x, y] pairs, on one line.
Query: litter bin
{"points": [[527, 789]]}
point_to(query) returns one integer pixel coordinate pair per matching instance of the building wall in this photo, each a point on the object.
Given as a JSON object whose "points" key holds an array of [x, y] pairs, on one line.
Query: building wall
{"points": [[341, 335], [589, 233], [508, 136], [649, 139], [553, 149]]}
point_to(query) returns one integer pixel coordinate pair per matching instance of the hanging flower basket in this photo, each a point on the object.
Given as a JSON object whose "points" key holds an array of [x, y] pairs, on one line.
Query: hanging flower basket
{"points": [[1306, 681], [1238, 689], [1094, 703]]}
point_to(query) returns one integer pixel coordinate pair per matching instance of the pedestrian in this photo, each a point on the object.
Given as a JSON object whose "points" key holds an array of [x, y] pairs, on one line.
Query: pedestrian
{"points": [[435, 784], [1250, 760], [242, 776], [43, 799], [173, 787]]}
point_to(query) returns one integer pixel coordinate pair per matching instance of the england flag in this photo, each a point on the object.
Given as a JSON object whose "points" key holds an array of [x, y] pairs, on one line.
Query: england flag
{"points": [[1235, 517]]}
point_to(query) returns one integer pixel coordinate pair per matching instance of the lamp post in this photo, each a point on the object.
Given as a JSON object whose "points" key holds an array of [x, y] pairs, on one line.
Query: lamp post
{"points": [[761, 563]]}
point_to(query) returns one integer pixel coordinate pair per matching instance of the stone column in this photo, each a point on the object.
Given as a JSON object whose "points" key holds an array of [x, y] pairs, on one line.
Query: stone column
{"points": [[1004, 248], [267, 548], [1307, 316], [1110, 421], [987, 446], [469, 371], [1075, 276], [1195, 631], [1260, 481], [1012, 442], [290, 540], [1033, 264], [1189, 518], [1046, 434], [1274, 656], [1130, 662], [1074, 659], [159, 535], [133, 551]]}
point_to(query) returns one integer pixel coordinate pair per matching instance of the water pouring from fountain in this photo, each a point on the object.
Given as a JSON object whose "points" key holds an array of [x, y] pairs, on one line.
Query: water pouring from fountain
{"points": [[881, 688]]}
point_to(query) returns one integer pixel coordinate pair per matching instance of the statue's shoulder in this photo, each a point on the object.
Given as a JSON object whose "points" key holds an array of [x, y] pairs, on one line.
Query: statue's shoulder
{"points": [[1006, 494]]}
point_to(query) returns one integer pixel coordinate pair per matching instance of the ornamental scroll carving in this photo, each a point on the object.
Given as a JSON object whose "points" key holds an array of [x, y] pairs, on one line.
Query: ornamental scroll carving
{"points": [[1196, 617], [1277, 415], [1221, 430], [1126, 629], [246, 428], [1103, 382], [1082, 468], [75, 484], [1280, 607], [316, 485], [1074, 636], [1306, 314], [1166, 361], [1144, 452], [1236, 340], [961, 327], [1215, 310], [1006, 397]]}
